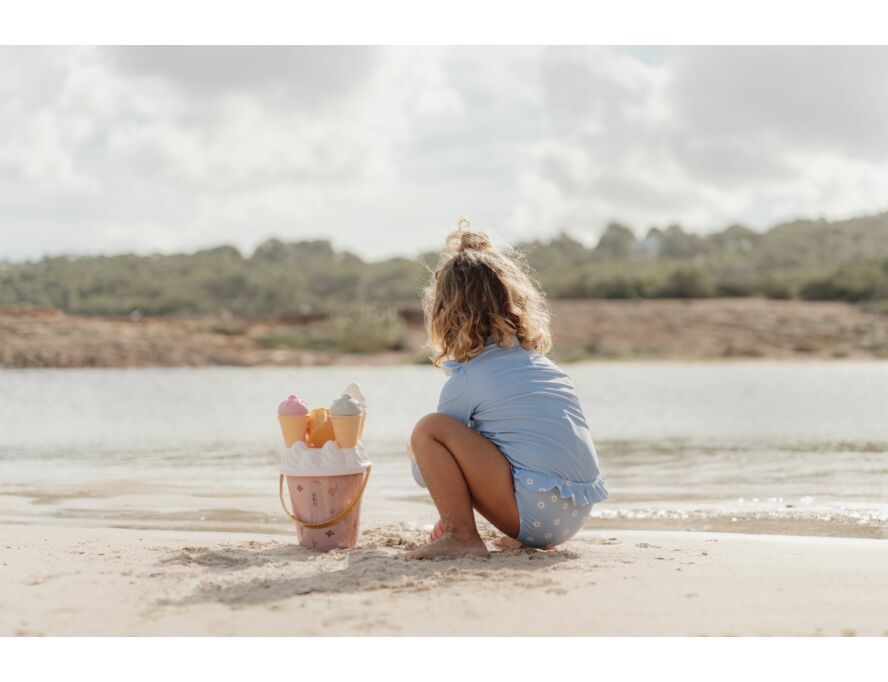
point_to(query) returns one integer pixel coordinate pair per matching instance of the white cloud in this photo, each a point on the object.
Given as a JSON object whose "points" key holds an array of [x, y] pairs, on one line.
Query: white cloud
{"points": [[710, 136], [381, 149], [306, 78]]}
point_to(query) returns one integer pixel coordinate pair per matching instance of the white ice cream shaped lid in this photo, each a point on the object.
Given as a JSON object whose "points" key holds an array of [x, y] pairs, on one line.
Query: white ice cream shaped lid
{"points": [[346, 406], [329, 460]]}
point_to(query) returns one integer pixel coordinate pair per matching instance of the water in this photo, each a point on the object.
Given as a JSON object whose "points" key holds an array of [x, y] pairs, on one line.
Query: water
{"points": [[783, 447]]}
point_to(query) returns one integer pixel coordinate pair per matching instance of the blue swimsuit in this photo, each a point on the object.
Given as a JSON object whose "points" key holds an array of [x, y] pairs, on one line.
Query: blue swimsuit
{"points": [[526, 406]]}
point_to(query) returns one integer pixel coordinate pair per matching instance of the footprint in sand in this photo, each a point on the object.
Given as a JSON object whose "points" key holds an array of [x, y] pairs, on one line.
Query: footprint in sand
{"points": [[601, 541]]}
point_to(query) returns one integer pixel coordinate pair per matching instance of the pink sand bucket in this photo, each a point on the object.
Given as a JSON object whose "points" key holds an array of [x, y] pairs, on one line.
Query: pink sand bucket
{"points": [[326, 486]]}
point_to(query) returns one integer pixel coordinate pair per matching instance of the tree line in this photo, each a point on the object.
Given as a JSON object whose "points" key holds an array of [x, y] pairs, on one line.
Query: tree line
{"points": [[814, 260]]}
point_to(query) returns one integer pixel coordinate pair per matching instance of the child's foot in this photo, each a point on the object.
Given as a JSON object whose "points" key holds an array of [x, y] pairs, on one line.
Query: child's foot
{"points": [[507, 543], [450, 546], [437, 532]]}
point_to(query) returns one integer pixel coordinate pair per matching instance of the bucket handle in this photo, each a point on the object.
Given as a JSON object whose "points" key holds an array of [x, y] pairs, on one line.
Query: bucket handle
{"points": [[329, 522]]}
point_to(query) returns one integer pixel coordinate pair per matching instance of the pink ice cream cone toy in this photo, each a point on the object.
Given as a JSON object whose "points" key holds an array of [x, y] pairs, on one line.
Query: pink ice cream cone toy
{"points": [[293, 418]]}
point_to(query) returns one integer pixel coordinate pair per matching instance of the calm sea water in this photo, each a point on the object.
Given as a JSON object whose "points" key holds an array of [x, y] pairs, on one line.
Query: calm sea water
{"points": [[676, 441]]}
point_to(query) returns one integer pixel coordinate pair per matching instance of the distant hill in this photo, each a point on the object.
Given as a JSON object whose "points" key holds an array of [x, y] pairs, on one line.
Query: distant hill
{"points": [[844, 260], [819, 260]]}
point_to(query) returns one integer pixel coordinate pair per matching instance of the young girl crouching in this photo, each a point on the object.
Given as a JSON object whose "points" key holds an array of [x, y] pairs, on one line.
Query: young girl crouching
{"points": [[509, 438]]}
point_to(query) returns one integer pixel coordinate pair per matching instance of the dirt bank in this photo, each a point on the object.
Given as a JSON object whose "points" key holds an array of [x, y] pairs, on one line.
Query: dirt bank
{"points": [[584, 330]]}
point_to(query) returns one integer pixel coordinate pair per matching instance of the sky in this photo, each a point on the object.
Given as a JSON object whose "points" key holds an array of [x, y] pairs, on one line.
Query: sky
{"points": [[381, 150]]}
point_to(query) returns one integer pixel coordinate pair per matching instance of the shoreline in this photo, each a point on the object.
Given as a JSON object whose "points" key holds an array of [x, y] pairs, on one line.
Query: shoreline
{"points": [[134, 504]]}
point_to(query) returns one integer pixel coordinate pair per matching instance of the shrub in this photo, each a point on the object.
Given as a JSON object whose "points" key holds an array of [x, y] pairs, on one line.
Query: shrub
{"points": [[366, 329], [733, 289], [686, 283], [859, 282], [772, 288]]}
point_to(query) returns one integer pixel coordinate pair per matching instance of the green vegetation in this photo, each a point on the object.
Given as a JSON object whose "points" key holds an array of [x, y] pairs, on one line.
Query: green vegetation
{"points": [[366, 329], [815, 260]]}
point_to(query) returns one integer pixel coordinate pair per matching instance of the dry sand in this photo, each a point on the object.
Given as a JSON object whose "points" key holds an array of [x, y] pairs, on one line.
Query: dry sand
{"points": [[60, 579]]}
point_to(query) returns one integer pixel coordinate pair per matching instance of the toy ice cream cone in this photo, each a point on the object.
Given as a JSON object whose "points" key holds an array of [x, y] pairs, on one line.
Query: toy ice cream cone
{"points": [[293, 418], [321, 428], [293, 428], [347, 415], [347, 429], [354, 392]]}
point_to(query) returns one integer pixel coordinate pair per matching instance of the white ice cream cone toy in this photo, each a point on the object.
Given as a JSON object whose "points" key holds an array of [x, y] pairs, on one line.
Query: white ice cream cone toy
{"points": [[347, 416]]}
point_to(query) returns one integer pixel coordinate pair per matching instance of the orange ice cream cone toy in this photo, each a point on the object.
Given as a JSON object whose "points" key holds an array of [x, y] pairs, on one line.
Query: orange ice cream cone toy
{"points": [[320, 428]]}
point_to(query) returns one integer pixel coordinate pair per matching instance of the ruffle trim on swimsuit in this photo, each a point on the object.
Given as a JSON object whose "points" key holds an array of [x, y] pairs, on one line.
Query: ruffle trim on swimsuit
{"points": [[588, 492]]}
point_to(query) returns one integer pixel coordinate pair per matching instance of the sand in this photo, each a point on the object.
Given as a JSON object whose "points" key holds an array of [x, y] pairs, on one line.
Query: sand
{"points": [[60, 579], [148, 558]]}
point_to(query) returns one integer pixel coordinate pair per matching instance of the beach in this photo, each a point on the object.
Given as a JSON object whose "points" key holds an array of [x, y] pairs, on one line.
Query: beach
{"points": [[210, 253], [88, 581], [746, 499]]}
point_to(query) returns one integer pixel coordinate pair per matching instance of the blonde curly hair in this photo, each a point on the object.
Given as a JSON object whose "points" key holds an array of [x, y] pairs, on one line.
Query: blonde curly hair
{"points": [[479, 292]]}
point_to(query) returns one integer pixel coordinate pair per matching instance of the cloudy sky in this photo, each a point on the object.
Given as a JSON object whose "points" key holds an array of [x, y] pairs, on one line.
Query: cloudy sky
{"points": [[381, 149]]}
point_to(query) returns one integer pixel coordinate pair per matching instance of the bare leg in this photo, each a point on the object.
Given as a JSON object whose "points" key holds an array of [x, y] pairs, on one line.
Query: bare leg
{"points": [[464, 471]]}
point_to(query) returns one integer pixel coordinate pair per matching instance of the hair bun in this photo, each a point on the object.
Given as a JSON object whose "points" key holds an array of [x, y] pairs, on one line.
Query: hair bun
{"points": [[463, 240]]}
